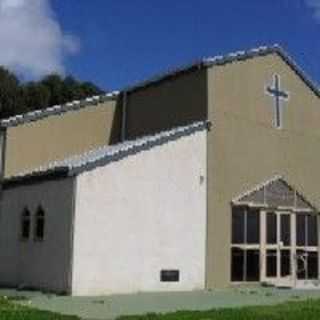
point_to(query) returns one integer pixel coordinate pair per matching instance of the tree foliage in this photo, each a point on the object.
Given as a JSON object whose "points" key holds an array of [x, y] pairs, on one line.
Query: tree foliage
{"points": [[17, 97]]}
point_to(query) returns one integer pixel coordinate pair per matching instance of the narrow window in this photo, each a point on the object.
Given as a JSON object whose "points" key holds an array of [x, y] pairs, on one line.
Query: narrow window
{"points": [[271, 263], [39, 224], [301, 264], [245, 226], [271, 228], [245, 254], [285, 229], [237, 264], [312, 231], [25, 224], [253, 226], [285, 263], [301, 230], [245, 265], [238, 221], [252, 265], [307, 265], [312, 268], [307, 230]]}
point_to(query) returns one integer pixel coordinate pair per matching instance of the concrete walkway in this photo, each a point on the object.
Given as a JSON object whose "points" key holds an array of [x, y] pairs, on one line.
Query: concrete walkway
{"points": [[110, 307]]}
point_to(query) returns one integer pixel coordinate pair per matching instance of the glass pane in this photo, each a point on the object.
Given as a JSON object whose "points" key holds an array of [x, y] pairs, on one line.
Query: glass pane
{"points": [[285, 266], [238, 214], [271, 228], [301, 264], [285, 229], [253, 265], [279, 194], [313, 265], [301, 229], [253, 226], [271, 263], [312, 230], [237, 261]]}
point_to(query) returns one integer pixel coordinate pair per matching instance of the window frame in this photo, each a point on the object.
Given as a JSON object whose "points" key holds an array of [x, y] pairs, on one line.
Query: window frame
{"points": [[306, 248], [245, 246], [245, 227], [306, 244]]}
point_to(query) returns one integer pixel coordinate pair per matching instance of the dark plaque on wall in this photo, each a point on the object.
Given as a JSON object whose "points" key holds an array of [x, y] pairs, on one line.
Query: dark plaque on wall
{"points": [[169, 275]]}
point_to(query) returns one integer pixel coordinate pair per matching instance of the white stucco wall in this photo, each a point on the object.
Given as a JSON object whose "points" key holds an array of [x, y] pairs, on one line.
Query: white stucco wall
{"points": [[139, 215], [31, 263]]}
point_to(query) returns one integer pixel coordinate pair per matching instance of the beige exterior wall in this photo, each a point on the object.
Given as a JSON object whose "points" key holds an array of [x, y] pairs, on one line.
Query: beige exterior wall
{"points": [[170, 103], [30, 263], [56, 137], [244, 149]]}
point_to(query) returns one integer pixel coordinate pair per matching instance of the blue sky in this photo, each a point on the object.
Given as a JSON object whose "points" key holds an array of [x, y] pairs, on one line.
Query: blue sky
{"points": [[117, 43]]}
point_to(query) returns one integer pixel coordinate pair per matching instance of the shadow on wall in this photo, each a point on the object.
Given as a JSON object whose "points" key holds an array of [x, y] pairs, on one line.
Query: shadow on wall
{"points": [[115, 135], [175, 101]]}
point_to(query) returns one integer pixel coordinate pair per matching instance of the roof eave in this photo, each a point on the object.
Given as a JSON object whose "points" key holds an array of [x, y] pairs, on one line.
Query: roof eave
{"points": [[226, 59], [157, 79], [56, 110], [51, 174]]}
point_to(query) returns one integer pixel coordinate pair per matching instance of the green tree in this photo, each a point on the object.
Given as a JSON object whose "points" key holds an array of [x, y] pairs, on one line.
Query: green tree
{"points": [[36, 96], [16, 97], [10, 94], [55, 85], [89, 89]]}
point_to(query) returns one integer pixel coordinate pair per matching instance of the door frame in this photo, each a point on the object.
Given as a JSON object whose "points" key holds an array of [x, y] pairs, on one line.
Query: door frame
{"points": [[278, 280]]}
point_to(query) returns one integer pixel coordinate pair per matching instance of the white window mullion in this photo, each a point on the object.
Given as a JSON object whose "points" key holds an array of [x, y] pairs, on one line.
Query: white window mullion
{"points": [[293, 246], [306, 244], [245, 242], [278, 245], [263, 241]]}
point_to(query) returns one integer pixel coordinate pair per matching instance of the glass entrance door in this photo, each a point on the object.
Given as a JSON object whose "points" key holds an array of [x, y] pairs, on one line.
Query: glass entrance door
{"points": [[277, 249]]}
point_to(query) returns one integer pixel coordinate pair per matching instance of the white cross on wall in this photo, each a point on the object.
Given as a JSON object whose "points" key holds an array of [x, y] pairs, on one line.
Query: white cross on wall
{"points": [[279, 96]]}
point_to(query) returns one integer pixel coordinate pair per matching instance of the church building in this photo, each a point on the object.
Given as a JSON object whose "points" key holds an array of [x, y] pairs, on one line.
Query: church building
{"points": [[202, 177]]}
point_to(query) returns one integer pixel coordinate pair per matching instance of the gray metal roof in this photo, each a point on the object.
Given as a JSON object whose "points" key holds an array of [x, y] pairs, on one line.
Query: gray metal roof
{"points": [[199, 64], [43, 113], [230, 58], [102, 156]]}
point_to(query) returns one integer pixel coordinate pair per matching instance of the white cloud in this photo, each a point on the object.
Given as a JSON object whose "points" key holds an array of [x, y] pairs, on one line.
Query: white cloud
{"points": [[314, 5], [31, 40]]}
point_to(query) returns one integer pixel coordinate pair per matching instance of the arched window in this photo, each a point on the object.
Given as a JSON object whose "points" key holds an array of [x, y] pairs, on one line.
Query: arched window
{"points": [[25, 224], [39, 224]]}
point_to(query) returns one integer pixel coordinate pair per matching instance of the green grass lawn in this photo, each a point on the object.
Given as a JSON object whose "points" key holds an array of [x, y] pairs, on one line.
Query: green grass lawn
{"points": [[11, 311], [294, 310], [302, 310]]}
